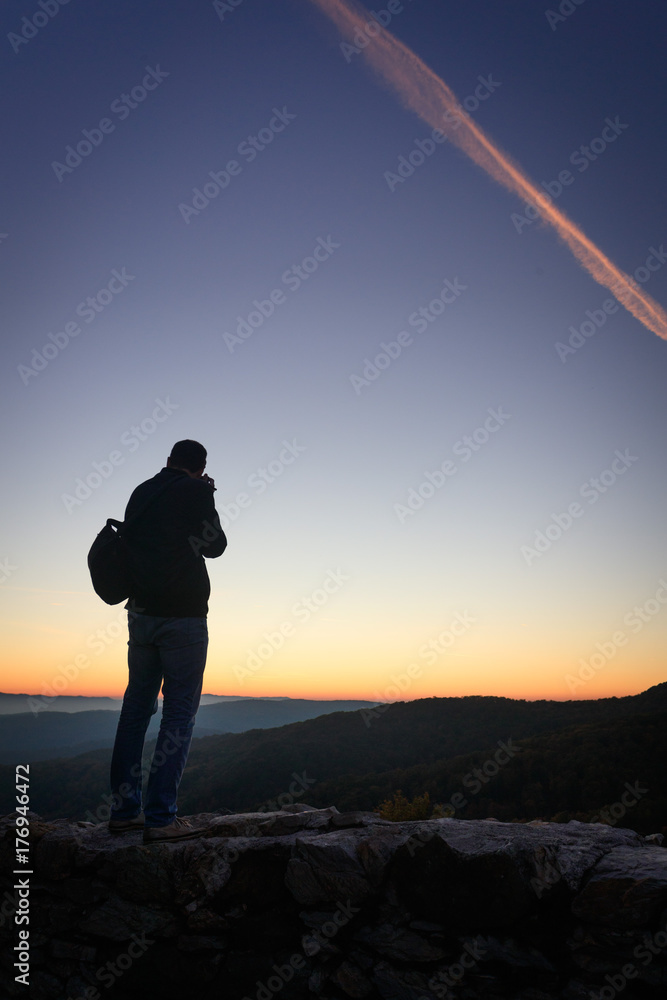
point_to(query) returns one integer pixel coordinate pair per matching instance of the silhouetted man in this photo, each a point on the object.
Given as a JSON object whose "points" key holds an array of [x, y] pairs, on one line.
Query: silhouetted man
{"points": [[168, 638]]}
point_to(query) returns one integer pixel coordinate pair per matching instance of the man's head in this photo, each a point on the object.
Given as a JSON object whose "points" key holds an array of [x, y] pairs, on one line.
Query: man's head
{"points": [[190, 456]]}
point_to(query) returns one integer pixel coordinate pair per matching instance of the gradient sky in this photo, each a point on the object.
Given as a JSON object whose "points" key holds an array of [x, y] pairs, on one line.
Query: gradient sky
{"points": [[451, 596]]}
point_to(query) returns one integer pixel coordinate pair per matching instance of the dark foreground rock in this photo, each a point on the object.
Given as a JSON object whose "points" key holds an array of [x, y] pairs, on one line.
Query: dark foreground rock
{"points": [[316, 903]]}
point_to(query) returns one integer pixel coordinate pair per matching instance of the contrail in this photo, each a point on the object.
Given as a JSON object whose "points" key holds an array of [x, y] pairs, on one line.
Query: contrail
{"points": [[429, 97]]}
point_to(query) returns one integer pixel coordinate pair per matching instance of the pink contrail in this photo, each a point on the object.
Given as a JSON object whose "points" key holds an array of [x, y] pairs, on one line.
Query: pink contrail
{"points": [[429, 97]]}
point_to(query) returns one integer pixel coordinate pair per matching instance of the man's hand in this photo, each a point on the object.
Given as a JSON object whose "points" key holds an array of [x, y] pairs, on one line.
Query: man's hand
{"points": [[207, 479]]}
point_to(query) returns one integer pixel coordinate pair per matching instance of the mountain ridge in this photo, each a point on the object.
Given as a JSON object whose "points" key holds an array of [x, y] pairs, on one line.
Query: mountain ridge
{"points": [[38, 735], [569, 760]]}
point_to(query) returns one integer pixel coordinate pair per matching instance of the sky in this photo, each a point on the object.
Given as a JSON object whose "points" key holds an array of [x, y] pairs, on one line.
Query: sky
{"points": [[438, 443]]}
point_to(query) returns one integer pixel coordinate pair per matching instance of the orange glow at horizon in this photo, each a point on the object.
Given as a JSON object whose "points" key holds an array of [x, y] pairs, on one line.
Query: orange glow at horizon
{"points": [[423, 92], [383, 680], [211, 687], [82, 650]]}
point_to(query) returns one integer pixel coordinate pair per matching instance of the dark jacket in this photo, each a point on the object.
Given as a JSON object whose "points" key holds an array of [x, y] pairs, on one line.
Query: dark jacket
{"points": [[168, 544]]}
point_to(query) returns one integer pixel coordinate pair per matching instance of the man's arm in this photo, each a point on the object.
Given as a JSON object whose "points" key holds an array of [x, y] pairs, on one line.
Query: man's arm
{"points": [[218, 546], [213, 541]]}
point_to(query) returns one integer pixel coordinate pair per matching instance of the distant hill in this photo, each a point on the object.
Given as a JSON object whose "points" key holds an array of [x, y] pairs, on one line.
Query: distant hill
{"points": [[611, 771], [239, 771], [14, 704], [44, 735], [260, 714], [575, 758]]}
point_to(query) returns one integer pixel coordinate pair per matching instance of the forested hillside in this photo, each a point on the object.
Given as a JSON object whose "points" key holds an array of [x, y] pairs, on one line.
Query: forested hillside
{"points": [[535, 759]]}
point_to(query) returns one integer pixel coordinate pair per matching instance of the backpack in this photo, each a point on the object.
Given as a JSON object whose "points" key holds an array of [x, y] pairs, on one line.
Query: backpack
{"points": [[109, 558]]}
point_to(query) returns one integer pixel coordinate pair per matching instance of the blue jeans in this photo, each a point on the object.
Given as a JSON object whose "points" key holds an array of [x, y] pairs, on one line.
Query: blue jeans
{"points": [[168, 653]]}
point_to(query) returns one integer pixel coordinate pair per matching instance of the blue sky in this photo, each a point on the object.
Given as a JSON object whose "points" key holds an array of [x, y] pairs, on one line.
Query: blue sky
{"points": [[327, 458]]}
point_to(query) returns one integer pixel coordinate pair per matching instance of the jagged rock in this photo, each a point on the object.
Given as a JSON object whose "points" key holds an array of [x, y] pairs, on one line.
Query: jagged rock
{"points": [[375, 853], [58, 918], [141, 875], [358, 818], [438, 882], [317, 982], [42, 987], [54, 853], [201, 942], [70, 949], [425, 926], [119, 920], [207, 871], [403, 984], [312, 945], [399, 943], [366, 908], [327, 871], [204, 919], [77, 986], [533, 994], [267, 824], [352, 981], [280, 824], [83, 891], [513, 954], [627, 888], [576, 990], [316, 918]]}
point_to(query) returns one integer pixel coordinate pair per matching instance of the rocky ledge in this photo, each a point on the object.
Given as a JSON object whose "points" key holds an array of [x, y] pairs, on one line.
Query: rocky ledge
{"points": [[316, 903]]}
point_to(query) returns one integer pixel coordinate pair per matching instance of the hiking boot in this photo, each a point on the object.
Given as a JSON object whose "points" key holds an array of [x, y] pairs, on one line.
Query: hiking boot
{"points": [[179, 829], [125, 825]]}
